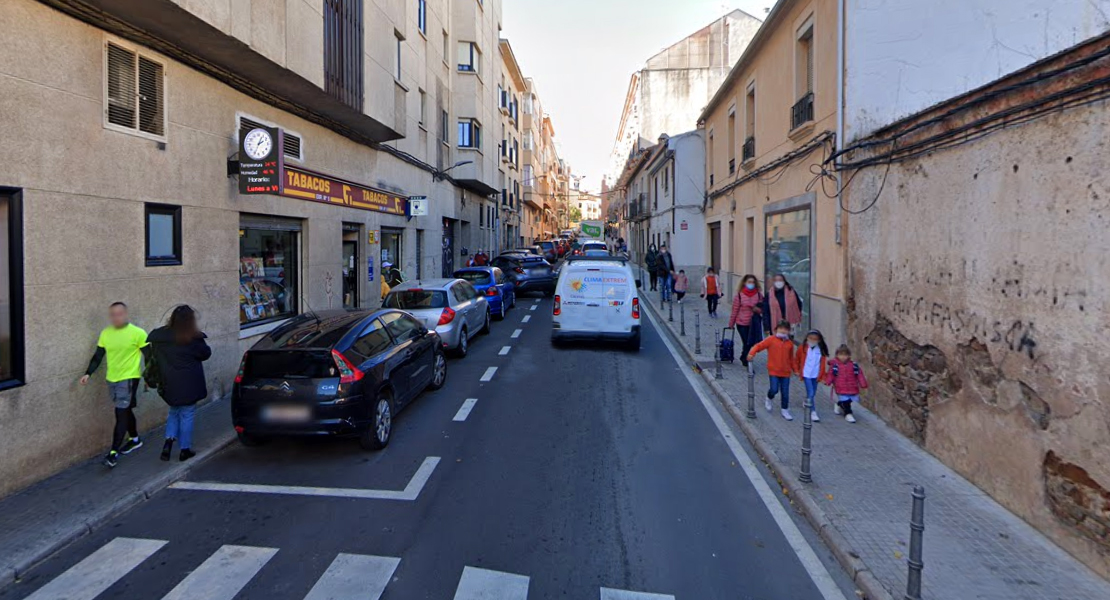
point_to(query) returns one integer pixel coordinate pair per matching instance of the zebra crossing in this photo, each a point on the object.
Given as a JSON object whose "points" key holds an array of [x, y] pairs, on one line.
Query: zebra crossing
{"points": [[228, 570]]}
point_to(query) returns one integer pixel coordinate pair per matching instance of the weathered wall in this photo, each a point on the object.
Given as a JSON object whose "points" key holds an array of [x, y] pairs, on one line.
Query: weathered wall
{"points": [[981, 289]]}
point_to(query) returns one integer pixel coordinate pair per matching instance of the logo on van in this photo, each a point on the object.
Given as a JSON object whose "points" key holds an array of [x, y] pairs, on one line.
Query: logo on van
{"points": [[578, 285]]}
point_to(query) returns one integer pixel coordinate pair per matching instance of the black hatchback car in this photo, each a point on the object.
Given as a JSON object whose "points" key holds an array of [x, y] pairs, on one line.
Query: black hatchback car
{"points": [[338, 372], [527, 273]]}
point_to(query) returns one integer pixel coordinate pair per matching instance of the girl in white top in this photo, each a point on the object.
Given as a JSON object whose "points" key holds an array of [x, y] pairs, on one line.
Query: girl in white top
{"points": [[810, 364]]}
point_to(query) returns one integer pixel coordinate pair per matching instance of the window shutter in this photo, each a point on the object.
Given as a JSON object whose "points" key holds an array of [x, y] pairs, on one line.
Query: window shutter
{"points": [[152, 111], [121, 86]]}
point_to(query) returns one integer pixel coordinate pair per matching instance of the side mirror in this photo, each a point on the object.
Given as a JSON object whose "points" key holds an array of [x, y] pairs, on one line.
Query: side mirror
{"points": [[638, 284]]}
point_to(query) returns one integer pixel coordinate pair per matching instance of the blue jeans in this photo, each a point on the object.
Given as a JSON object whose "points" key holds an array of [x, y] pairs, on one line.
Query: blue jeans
{"points": [[668, 284], [179, 425], [811, 389], [780, 384]]}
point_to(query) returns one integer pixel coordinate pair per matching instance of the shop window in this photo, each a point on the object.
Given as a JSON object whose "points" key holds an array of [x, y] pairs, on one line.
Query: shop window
{"points": [[269, 270], [163, 235], [11, 289], [787, 251]]}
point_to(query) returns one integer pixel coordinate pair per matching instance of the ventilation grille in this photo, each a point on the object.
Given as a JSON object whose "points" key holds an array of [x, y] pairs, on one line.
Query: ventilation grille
{"points": [[292, 147]]}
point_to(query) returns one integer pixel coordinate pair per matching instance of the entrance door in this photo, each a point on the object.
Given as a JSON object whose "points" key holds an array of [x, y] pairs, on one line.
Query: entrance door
{"points": [[350, 266], [391, 254], [448, 248], [715, 246]]}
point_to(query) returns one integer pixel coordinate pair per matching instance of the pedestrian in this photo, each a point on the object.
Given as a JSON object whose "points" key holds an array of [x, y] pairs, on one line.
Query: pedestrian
{"points": [[711, 291], [782, 303], [747, 308], [846, 379], [179, 350], [810, 362], [681, 285], [123, 346], [650, 263], [665, 265], [481, 259], [780, 365], [392, 274]]}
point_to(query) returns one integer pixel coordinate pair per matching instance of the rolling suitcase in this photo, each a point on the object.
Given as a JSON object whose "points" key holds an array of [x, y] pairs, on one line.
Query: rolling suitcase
{"points": [[728, 345]]}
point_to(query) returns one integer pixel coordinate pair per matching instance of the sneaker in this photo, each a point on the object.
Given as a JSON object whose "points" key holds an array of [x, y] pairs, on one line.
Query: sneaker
{"points": [[813, 417], [786, 414], [131, 445], [850, 418], [836, 409], [186, 454], [167, 448], [111, 460], [768, 404]]}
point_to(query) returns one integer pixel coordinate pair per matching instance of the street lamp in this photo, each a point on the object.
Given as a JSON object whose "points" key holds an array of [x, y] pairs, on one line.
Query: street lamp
{"points": [[440, 175]]}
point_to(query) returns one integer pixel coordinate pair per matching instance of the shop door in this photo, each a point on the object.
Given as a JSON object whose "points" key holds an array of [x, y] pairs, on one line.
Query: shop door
{"points": [[350, 266], [448, 248], [787, 251], [715, 246], [391, 256]]}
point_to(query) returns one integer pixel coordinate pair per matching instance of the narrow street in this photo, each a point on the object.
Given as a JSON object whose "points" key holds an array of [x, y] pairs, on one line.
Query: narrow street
{"points": [[570, 473]]}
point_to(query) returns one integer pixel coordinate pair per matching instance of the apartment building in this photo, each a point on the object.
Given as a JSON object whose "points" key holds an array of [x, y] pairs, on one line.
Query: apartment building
{"points": [[510, 91]]}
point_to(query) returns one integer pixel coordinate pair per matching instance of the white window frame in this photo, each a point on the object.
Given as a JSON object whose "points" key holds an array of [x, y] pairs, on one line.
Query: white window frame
{"points": [[422, 16], [239, 116], [153, 57]]}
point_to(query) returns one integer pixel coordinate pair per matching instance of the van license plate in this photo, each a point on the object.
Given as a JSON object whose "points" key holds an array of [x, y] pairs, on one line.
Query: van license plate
{"points": [[286, 414]]}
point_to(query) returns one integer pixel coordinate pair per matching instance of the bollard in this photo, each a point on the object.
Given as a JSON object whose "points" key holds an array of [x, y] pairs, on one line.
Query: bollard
{"points": [[718, 373], [807, 432], [697, 332], [670, 311], [682, 319], [751, 390], [917, 533]]}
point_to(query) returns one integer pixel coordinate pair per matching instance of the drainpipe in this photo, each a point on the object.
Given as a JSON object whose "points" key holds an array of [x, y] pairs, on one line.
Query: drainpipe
{"points": [[840, 66]]}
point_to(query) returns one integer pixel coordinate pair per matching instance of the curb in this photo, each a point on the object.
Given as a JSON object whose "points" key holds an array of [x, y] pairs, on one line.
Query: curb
{"points": [[800, 496], [98, 517]]}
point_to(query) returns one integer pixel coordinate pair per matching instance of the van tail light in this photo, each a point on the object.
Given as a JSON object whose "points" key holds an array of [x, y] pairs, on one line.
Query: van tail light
{"points": [[446, 317], [242, 368], [558, 306], [635, 308], [348, 373], [491, 291]]}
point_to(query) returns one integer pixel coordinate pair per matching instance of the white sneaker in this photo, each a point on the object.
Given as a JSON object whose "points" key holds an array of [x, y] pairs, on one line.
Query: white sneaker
{"points": [[813, 417], [786, 414], [768, 404], [850, 418], [836, 409]]}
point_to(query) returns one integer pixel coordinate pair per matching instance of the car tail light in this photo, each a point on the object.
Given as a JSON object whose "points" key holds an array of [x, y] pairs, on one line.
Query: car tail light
{"points": [[348, 373], [558, 306], [242, 368], [491, 291], [519, 270], [446, 317], [635, 308]]}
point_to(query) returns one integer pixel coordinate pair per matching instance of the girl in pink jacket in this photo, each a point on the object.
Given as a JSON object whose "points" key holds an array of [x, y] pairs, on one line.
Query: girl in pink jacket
{"points": [[846, 379]]}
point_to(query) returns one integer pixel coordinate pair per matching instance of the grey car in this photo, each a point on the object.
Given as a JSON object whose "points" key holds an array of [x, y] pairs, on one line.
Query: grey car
{"points": [[451, 307]]}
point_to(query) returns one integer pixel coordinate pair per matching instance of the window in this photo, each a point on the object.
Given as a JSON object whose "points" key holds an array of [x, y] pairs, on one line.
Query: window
{"points": [[402, 327], [749, 124], [712, 152], [528, 140], [343, 51], [423, 108], [163, 235], [469, 57], [135, 92], [422, 16], [528, 104], [269, 269], [667, 178], [732, 141], [446, 47], [397, 65], [11, 289], [804, 61], [374, 341], [444, 134], [293, 146], [470, 134], [528, 175]]}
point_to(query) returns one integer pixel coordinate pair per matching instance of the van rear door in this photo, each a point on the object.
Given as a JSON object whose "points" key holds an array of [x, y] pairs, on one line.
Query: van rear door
{"points": [[597, 299]]}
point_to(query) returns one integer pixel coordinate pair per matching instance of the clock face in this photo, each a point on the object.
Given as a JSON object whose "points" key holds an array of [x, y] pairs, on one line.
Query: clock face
{"points": [[258, 144]]}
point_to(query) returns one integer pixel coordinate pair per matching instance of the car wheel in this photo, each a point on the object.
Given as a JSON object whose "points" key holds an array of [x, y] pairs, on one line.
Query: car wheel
{"points": [[485, 326], [634, 343], [464, 344], [377, 435], [501, 311], [439, 371], [513, 304], [251, 441]]}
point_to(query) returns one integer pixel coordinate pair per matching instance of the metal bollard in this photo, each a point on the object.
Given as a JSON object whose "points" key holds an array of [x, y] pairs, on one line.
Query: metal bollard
{"points": [[917, 533], [751, 390], [682, 319], [670, 311], [807, 440], [697, 332]]}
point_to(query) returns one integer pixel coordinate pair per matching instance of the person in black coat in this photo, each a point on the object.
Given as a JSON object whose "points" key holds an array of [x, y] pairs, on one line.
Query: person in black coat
{"points": [[179, 351]]}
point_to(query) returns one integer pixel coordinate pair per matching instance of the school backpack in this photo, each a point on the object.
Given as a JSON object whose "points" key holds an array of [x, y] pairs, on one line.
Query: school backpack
{"points": [[152, 373]]}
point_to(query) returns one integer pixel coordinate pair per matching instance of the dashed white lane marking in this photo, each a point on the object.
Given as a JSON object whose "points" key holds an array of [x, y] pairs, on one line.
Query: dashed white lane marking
{"points": [[517, 333], [817, 571], [410, 493], [534, 307], [223, 574], [526, 318], [610, 594], [536, 301], [91, 577], [355, 576], [488, 375], [504, 350], [482, 584], [464, 410]]}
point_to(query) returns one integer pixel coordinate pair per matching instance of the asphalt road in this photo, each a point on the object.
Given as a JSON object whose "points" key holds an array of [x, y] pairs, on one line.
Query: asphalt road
{"points": [[576, 469]]}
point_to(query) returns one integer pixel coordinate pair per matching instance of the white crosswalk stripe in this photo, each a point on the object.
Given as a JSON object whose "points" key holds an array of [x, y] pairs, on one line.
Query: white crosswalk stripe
{"points": [[483, 584], [223, 575], [354, 577], [89, 578], [611, 594]]}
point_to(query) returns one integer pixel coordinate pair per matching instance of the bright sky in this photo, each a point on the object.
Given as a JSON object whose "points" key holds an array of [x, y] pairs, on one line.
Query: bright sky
{"points": [[582, 52]]}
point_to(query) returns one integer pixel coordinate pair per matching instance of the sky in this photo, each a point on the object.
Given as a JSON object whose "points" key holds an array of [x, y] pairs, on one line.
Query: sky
{"points": [[582, 53]]}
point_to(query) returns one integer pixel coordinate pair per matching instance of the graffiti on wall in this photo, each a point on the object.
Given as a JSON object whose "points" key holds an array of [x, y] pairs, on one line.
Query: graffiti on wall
{"points": [[1016, 335]]}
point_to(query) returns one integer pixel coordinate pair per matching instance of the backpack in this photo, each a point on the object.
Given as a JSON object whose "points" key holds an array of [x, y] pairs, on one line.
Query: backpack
{"points": [[152, 373]]}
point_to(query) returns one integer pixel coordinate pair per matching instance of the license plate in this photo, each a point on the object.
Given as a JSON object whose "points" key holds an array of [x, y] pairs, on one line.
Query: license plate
{"points": [[286, 414]]}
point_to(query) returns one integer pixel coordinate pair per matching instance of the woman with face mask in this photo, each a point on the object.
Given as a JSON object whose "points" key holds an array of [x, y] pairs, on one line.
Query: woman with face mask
{"points": [[782, 303], [651, 263], [745, 316]]}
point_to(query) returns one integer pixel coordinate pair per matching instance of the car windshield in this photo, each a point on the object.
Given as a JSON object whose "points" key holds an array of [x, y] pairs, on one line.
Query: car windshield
{"points": [[547, 245], [416, 299], [474, 277]]}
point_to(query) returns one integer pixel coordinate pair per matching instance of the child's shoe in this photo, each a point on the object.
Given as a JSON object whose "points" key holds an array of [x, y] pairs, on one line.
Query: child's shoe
{"points": [[786, 414], [850, 418], [813, 417], [836, 409]]}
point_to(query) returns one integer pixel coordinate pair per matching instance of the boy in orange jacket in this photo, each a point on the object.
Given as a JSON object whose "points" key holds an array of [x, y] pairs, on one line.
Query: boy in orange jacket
{"points": [[780, 365]]}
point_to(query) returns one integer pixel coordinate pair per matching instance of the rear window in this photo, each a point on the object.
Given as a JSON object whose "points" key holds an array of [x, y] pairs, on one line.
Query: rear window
{"points": [[416, 299], [292, 364], [547, 245], [595, 284], [475, 277]]}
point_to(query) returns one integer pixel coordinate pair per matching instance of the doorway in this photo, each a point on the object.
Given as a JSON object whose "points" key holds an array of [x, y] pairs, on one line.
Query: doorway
{"points": [[351, 261], [715, 246]]}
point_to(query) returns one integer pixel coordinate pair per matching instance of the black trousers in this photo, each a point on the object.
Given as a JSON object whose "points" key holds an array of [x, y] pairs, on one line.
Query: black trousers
{"points": [[126, 425], [747, 342], [845, 407], [654, 280], [711, 303]]}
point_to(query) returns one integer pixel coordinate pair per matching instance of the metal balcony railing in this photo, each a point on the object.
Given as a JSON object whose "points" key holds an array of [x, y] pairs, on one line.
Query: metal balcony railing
{"points": [[802, 112], [748, 152]]}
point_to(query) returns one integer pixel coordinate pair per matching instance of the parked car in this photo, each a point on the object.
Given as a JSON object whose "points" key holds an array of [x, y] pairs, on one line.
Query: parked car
{"points": [[337, 372], [589, 245], [492, 283], [527, 273], [452, 307], [597, 299], [536, 250], [550, 250]]}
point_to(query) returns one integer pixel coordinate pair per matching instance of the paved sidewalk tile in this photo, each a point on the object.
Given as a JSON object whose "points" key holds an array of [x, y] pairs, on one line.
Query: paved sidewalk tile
{"points": [[41, 519], [863, 474]]}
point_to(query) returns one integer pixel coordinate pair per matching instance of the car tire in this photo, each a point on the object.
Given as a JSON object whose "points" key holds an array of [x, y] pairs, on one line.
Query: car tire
{"points": [[464, 344], [504, 309], [439, 370], [250, 440], [485, 326], [513, 305], [380, 431]]}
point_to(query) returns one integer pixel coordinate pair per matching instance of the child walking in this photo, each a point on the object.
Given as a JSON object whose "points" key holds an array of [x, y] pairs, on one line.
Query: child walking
{"points": [[711, 291], [810, 363], [780, 365], [681, 284], [847, 380]]}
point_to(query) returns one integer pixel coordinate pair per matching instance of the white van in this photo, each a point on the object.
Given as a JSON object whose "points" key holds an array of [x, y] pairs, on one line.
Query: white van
{"points": [[596, 298]]}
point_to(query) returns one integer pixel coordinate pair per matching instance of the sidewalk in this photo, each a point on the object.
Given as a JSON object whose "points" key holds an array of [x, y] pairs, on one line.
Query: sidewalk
{"points": [[859, 500], [47, 516]]}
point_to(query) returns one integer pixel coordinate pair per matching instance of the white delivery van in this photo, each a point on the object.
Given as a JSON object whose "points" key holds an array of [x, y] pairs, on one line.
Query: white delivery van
{"points": [[596, 298]]}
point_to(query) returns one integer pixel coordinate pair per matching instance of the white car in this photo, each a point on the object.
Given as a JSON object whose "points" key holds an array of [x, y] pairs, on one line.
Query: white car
{"points": [[596, 298]]}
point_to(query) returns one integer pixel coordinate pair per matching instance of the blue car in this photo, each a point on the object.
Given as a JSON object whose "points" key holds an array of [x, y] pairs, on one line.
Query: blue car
{"points": [[491, 283]]}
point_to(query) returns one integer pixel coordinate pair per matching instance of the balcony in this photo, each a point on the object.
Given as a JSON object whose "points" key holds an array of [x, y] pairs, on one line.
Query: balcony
{"points": [[802, 113], [748, 152]]}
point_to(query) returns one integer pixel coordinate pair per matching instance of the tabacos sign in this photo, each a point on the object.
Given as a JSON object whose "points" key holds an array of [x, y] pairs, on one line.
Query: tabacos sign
{"points": [[317, 187]]}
